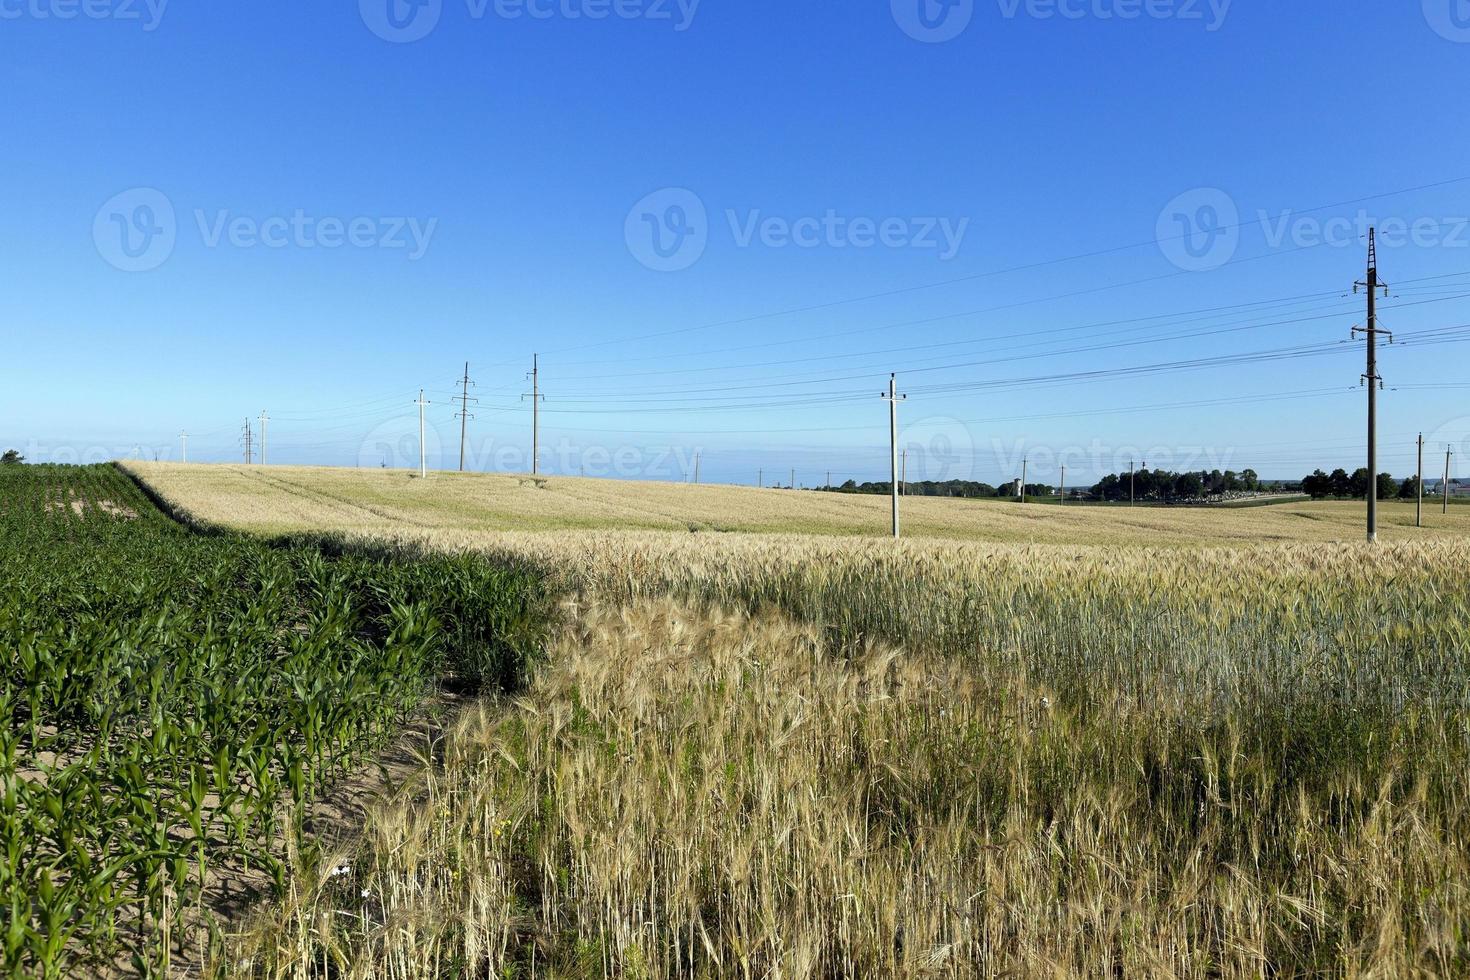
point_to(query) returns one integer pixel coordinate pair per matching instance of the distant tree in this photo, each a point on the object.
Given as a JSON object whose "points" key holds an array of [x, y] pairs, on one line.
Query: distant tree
{"points": [[1189, 486], [849, 485], [1388, 487], [1232, 482], [1341, 484], [1249, 481], [12, 457], [1409, 489], [1318, 485], [1358, 483]]}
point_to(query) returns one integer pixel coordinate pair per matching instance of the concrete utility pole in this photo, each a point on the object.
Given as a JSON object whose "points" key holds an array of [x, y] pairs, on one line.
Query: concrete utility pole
{"points": [[423, 453], [1132, 473], [696, 469], [1023, 480], [184, 438], [893, 398], [1372, 379], [1419, 507], [464, 411], [536, 399], [1064, 484], [264, 418], [793, 478], [760, 479], [1448, 452]]}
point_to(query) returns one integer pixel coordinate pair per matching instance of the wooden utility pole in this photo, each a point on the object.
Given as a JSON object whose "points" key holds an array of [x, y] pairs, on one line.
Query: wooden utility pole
{"points": [[893, 398], [1448, 452], [1371, 379], [1419, 507]]}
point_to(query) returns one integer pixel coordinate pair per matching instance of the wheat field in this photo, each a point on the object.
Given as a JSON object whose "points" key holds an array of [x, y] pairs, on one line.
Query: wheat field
{"points": [[1239, 754], [277, 500]]}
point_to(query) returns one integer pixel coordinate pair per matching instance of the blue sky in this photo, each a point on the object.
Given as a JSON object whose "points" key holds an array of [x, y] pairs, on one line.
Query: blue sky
{"points": [[212, 210]]}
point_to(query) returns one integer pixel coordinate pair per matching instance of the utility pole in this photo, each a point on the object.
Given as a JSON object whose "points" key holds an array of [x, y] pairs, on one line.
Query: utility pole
{"points": [[760, 479], [1419, 507], [249, 444], [1448, 452], [464, 411], [893, 398], [793, 478], [423, 452], [536, 399], [184, 438], [829, 479], [1371, 379], [1023, 480], [1132, 473], [264, 418], [1064, 484], [696, 469]]}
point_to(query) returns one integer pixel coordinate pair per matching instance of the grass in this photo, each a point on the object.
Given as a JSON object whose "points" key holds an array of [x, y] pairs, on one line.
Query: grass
{"points": [[278, 500], [750, 754]]}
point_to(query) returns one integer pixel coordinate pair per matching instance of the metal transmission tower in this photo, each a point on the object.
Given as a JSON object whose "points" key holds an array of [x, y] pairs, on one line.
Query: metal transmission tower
{"points": [[1371, 378], [536, 399], [249, 440], [892, 397], [264, 419], [464, 400], [423, 454]]}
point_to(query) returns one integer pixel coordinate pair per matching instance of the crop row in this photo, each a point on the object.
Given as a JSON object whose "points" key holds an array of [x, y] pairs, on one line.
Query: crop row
{"points": [[173, 701]]}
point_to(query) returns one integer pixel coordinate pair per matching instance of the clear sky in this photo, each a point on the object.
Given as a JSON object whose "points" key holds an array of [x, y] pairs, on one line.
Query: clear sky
{"points": [[723, 224]]}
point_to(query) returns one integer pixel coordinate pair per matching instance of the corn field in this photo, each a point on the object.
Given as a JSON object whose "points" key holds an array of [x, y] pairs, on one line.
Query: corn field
{"points": [[173, 700]]}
